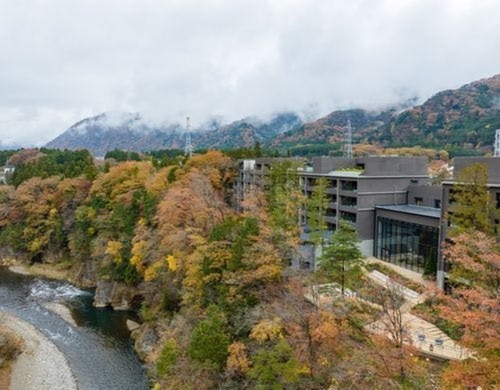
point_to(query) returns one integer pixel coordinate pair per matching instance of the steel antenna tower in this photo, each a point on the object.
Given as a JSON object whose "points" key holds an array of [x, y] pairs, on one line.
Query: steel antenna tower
{"points": [[348, 141], [188, 149], [497, 143]]}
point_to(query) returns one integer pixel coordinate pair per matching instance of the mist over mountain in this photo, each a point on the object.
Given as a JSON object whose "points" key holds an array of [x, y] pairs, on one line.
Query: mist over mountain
{"points": [[465, 117], [108, 131], [128, 131]]}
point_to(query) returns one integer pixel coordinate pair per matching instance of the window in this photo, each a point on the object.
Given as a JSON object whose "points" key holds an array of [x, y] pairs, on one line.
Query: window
{"points": [[332, 184], [419, 201], [409, 245], [348, 201], [349, 185], [437, 203], [348, 216]]}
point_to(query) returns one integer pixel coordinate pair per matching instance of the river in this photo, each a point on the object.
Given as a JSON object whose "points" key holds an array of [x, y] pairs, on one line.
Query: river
{"points": [[98, 349]]}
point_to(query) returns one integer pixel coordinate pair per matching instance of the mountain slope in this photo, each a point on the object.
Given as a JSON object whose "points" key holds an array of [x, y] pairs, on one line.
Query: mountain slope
{"points": [[248, 131], [332, 128], [467, 116], [107, 131]]}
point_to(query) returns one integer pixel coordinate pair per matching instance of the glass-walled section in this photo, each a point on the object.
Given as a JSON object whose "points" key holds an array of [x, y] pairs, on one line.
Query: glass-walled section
{"points": [[407, 245]]}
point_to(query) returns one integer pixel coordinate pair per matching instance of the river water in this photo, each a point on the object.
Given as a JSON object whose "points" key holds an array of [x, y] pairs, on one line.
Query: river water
{"points": [[99, 350]]}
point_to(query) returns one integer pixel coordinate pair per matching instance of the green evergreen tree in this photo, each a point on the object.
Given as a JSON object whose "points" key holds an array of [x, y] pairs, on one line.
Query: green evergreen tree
{"points": [[275, 368], [209, 339], [342, 257]]}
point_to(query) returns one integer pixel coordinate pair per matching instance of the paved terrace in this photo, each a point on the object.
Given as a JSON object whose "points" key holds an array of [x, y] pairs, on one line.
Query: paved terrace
{"points": [[426, 337]]}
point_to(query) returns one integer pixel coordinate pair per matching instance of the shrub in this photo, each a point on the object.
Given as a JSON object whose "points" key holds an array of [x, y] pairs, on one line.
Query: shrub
{"points": [[168, 357], [10, 347]]}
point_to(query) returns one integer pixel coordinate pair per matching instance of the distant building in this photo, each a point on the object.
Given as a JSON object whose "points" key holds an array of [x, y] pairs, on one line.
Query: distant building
{"points": [[6, 172]]}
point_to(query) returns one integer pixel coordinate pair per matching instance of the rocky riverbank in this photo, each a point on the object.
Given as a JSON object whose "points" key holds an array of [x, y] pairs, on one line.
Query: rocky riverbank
{"points": [[51, 271], [117, 295], [41, 365]]}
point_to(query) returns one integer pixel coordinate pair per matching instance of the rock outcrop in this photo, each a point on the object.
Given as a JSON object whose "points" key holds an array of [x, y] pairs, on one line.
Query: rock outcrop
{"points": [[115, 294]]}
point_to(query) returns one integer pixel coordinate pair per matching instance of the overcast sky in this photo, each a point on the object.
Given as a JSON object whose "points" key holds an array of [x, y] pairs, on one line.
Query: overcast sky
{"points": [[64, 60]]}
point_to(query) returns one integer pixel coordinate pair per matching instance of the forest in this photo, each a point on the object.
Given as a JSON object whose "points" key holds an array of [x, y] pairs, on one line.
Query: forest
{"points": [[219, 304]]}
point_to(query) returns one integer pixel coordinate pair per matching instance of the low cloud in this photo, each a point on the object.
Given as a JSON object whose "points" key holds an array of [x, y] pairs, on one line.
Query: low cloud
{"points": [[63, 61]]}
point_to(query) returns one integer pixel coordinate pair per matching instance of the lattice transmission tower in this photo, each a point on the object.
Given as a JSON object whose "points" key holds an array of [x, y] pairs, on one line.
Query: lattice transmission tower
{"points": [[188, 149], [497, 143], [348, 141]]}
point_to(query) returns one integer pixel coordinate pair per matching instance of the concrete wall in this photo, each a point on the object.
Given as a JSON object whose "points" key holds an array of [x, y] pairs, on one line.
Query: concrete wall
{"points": [[366, 248], [493, 164], [328, 164], [393, 166], [373, 166], [365, 225], [428, 194]]}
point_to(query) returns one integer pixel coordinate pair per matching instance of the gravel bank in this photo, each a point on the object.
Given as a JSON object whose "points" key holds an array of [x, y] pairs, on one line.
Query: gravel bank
{"points": [[41, 366]]}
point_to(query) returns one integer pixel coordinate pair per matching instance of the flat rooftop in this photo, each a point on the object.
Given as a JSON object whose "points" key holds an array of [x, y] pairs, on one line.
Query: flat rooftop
{"points": [[411, 209]]}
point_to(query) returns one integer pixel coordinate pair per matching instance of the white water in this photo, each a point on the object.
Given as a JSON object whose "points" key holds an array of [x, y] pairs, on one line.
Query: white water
{"points": [[48, 290]]}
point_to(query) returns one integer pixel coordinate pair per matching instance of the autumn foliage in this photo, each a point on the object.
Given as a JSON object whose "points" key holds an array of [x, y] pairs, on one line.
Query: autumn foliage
{"points": [[220, 306]]}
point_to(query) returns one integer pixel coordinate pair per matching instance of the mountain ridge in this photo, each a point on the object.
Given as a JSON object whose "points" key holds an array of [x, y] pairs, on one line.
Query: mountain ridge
{"points": [[462, 117]]}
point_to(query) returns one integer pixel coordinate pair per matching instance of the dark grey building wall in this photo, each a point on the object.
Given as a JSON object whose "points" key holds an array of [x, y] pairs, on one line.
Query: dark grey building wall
{"points": [[428, 194], [373, 166], [365, 224], [328, 164], [394, 166], [384, 186], [493, 164]]}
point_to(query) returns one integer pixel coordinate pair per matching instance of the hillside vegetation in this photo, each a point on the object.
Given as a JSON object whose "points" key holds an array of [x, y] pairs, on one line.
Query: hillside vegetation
{"points": [[220, 306], [458, 121]]}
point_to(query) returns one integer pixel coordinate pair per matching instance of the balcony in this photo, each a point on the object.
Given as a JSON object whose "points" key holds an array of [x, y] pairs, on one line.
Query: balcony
{"points": [[351, 186], [348, 201], [332, 205], [346, 216]]}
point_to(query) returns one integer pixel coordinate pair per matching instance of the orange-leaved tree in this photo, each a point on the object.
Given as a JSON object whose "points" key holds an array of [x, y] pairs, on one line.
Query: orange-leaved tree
{"points": [[474, 304]]}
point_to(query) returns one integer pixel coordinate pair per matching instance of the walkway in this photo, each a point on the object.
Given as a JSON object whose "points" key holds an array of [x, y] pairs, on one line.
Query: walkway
{"points": [[423, 335], [426, 337]]}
